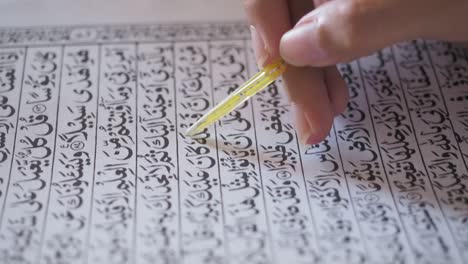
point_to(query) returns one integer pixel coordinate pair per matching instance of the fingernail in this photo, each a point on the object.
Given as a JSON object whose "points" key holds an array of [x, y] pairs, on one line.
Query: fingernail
{"points": [[303, 139], [303, 128], [309, 139], [312, 138], [261, 54], [300, 46]]}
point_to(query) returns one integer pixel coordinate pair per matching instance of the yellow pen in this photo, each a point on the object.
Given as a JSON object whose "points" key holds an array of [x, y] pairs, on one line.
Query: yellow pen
{"points": [[258, 82]]}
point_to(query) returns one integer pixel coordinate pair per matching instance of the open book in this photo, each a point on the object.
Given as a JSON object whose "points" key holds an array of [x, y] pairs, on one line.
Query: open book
{"points": [[95, 167]]}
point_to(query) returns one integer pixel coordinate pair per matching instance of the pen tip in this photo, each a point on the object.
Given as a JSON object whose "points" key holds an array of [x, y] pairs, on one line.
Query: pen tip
{"points": [[190, 132]]}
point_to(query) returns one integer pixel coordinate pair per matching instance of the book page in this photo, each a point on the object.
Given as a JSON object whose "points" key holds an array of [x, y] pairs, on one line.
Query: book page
{"points": [[95, 167]]}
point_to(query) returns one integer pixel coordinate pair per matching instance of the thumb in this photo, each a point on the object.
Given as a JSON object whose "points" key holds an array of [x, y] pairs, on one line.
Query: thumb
{"points": [[342, 30]]}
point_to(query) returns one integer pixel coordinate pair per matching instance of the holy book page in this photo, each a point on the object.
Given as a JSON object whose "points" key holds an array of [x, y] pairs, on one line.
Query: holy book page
{"points": [[95, 166]]}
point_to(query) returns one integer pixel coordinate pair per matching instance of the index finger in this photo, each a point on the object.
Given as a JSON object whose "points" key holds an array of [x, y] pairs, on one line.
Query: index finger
{"points": [[271, 20]]}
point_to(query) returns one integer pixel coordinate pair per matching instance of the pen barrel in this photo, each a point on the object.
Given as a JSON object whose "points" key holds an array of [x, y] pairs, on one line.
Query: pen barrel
{"points": [[255, 84]]}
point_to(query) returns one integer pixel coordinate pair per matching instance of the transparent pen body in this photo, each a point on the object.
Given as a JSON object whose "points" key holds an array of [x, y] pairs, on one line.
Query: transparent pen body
{"points": [[255, 84]]}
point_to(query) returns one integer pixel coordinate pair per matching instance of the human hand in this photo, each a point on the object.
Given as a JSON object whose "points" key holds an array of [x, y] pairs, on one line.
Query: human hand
{"points": [[335, 32]]}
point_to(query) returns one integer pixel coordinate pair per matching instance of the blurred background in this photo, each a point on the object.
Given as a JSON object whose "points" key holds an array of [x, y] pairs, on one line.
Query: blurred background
{"points": [[70, 12]]}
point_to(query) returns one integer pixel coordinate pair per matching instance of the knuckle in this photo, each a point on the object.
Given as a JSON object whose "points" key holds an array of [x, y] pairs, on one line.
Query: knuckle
{"points": [[330, 40], [355, 9], [324, 36], [351, 23], [339, 34], [353, 14]]}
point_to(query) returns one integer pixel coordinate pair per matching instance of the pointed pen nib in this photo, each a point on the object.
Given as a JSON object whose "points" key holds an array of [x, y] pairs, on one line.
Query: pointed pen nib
{"points": [[193, 130]]}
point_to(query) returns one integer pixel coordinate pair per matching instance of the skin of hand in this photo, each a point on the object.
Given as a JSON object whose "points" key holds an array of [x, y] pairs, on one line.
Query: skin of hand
{"points": [[312, 36]]}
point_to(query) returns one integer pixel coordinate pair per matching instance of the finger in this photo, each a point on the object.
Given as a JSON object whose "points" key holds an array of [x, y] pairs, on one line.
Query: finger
{"points": [[270, 20], [258, 45], [342, 30], [309, 97], [300, 123], [337, 90], [442, 20], [306, 88]]}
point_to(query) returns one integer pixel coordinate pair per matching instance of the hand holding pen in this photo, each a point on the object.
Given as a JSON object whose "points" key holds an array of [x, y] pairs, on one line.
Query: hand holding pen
{"points": [[338, 31], [334, 32]]}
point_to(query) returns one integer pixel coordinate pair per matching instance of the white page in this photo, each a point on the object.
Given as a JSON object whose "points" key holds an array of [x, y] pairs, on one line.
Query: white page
{"points": [[95, 168]]}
